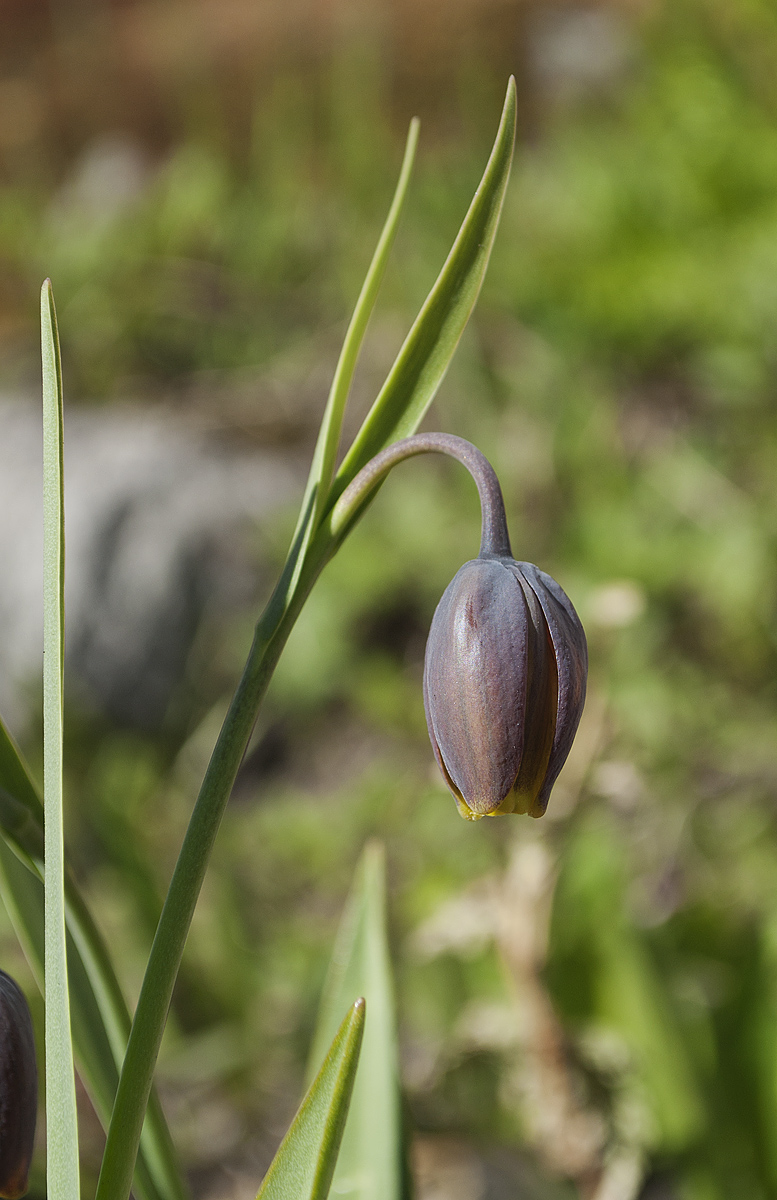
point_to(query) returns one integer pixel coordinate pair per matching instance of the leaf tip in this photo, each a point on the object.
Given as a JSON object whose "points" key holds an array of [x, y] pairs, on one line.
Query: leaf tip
{"points": [[374, 851], [510, 110], [47, 307]]}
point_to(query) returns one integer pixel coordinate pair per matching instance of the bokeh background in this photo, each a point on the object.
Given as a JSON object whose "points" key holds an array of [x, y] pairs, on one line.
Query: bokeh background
{"points": [[588, 1003]]}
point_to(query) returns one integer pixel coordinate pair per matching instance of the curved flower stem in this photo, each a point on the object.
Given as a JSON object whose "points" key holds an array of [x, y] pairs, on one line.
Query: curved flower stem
{"points": [[272, 631], [494, 538]]}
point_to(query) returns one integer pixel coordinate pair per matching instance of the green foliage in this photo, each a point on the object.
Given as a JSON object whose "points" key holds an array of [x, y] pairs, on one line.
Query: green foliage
{"points": [[605, 975], [62, 1172], [305, 1163], [371, 1161], [428, 349], [99, 1017], [325, 454]]}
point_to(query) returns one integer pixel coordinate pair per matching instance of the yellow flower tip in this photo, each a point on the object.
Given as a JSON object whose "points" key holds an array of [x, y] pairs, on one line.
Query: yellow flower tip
{"points": [[507, 806], [465, 811]]}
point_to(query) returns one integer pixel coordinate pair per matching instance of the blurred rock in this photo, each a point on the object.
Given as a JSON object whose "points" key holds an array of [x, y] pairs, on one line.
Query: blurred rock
{"points": [[156, 516], [110, 174], [579, 49]]}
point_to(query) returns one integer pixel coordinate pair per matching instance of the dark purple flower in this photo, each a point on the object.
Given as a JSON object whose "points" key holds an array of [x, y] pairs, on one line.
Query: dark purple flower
{"points": [[504, 685], [18, 1089]]}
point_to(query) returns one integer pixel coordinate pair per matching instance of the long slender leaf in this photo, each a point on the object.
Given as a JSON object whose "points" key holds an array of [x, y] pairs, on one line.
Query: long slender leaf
{"points": [[137, 1072], [99, 1016], [325, 453], [322, 468], [158, 1161], [305, 1163], [424, 358], [62, 1124], [22, 894], [371, 1162]]}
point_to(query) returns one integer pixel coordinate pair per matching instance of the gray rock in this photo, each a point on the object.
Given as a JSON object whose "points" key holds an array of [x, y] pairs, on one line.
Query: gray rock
{"points": [[153, 518], [577, 49]]}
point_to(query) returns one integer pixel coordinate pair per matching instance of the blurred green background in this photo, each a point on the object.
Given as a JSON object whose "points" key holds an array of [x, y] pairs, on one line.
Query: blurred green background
{"points": [[588, 1003]]}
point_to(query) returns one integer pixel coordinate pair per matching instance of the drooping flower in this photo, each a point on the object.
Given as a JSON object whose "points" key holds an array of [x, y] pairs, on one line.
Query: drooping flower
{"points": [[504, 685]]}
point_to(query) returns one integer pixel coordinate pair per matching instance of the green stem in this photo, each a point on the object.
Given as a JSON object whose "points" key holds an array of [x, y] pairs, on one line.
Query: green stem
{"points": [[494, 538], [156, 993]]}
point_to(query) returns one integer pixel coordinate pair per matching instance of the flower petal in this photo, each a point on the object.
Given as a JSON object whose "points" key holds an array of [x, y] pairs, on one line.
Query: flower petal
{"points": [[571, 653], [476, 674]]}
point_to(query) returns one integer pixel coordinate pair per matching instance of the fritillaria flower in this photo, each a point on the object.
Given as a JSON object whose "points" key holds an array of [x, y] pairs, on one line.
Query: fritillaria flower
{"points": [[504, 685], [18, 1089], [506, 659]]}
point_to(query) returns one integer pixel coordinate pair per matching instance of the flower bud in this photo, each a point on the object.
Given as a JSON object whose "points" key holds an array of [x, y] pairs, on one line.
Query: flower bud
{"points": [[504, 685], [18, 1089]]}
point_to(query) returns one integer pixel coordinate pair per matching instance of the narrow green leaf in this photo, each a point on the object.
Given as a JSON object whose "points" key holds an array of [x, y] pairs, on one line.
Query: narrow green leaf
{"points": [[62, 1121], [628, 993], [15, 776], [99, 1016], [22, 894], [322, 468], [305, 1163], [424, 358], [148, 1023], [325, 453], [370, 1166]]}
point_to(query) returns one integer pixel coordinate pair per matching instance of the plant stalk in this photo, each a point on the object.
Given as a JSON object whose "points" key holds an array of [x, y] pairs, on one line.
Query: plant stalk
{"points": [[494, 538], [172, 931]]}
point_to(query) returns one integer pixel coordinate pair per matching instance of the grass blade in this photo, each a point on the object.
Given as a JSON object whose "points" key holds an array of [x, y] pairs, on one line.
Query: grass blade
{"points": [[22, 894], [424, 358], [322, 469], [157, 1162], [99, 1016], [62, 1121], [371, 1162], [304, 1165], [325, 453]]}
